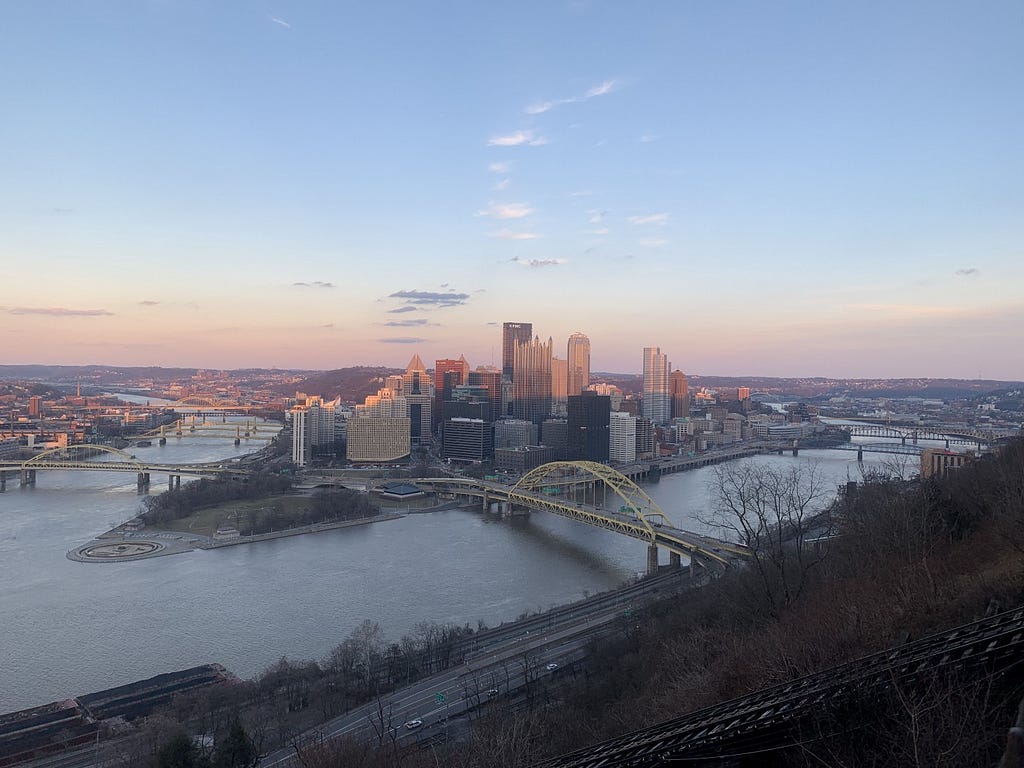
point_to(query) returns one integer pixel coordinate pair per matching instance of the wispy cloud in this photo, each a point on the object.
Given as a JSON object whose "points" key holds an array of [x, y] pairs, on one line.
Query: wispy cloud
{"points": [[598, 231], [581, 193], [499, 167], [57, 311], [506, 210], [968, 272], [647, 137], [401, 340], [414, 323], [501, 186], [653, 242], [506, 234], [281, 22], [535, 263], [400, 310], [905, 311], [148, 303], [659, 219], [546, 106], [517, 139], [596, 217], [450, 299], [314, 284]]}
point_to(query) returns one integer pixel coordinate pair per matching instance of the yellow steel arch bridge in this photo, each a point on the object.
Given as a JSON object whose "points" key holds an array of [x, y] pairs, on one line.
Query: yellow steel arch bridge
{"points": [[597, 495]]}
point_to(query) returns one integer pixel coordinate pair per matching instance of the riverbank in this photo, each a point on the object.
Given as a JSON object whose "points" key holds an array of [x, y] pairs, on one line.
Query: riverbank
{"points": [[121, 545]]}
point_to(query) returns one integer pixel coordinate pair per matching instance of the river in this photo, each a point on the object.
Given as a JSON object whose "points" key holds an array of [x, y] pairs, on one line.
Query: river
{"points": [[71, 628]]}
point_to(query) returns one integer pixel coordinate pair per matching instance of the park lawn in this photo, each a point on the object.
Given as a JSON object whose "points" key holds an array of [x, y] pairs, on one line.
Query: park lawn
{"points": [[205, 521]]}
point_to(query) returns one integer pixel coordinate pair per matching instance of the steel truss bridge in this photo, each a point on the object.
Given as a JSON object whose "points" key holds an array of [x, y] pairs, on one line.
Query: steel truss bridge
{"points": [[811, 707], [223, 430], [83, 458], [600, 496], [952, 436]]}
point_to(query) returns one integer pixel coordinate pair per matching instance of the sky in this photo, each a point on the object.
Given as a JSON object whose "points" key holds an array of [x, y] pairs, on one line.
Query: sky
{"points": [[758, 188]]}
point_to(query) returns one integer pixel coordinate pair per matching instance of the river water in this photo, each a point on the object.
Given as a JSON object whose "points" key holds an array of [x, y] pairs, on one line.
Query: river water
{"points": [[69, 628]]}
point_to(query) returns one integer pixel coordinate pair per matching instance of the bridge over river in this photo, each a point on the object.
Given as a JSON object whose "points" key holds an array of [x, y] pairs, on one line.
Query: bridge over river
{"points": [[597, 495], [102, 458]]}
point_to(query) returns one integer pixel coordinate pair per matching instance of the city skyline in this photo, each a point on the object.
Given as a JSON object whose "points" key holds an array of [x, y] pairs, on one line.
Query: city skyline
{"points": [[796, 191]]}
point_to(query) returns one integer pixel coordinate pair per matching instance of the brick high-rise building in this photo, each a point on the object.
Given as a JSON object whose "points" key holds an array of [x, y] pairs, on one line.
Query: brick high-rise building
{"points": [[680, 391], [448, 373]]}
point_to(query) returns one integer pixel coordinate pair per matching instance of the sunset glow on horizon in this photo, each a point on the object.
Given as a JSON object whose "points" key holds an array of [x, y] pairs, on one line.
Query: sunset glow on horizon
{"points": [[796, 190]]}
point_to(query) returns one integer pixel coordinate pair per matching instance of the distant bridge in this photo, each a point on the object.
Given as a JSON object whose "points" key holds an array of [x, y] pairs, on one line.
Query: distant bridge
{"points": [[951, 436], [225, 430], [82, 458], [579, 490]]}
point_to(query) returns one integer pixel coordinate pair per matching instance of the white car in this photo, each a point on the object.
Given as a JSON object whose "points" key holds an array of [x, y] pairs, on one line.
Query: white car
{"points": [[413, 724], [551, 667]]}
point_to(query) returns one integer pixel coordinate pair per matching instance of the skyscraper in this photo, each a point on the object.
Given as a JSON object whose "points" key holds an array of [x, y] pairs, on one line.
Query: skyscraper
{"points": [[531, 380], [589, 420], [657, 402], [510, 334], [416, 388], [680, 390], [622, 437], [559, 385], [448, 373], [579, 363]]}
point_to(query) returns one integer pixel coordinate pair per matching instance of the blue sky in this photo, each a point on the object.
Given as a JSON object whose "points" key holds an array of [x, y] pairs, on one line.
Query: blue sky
{"points": [[758, 188]]}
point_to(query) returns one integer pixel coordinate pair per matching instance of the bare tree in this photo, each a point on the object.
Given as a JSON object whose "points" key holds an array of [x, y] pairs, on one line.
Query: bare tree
{"points": [[779, 514]]}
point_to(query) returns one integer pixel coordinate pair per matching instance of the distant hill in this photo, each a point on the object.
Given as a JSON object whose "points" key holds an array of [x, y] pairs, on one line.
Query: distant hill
{"points": [[352, 384]]}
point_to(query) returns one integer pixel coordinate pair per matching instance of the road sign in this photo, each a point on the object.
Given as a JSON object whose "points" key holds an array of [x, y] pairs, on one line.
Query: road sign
{"points": [[440, 697]]}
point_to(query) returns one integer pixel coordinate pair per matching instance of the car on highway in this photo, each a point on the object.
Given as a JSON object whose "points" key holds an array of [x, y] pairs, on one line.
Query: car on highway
{"points": [[413, 724], [551, 667], [492, 692]]}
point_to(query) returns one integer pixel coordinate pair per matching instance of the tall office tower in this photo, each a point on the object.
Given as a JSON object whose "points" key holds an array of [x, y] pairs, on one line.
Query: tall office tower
{"points": [[579, 363], [680, 390], [300, 435], [35, 405], [416, 388], [510, 334], [554, 433], [448, 373], [467, 439], [559, 386], [657, 402], [645, 439], [589, 417], [514, 433], [489, 377], [531, 380], [622, 437]]}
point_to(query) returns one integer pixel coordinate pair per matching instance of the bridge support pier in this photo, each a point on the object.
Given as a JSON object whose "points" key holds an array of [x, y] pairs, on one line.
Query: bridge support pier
{"points": [[143, 482], [163, 441], [903, 440], [28, 477], [3, 482], [485, 503], [652, 560], [860, 454], [173, 481], [238, 441], [675, 562]]}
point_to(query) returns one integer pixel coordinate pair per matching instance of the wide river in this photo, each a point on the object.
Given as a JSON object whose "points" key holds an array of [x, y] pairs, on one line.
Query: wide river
{"points": [[69, 628]]}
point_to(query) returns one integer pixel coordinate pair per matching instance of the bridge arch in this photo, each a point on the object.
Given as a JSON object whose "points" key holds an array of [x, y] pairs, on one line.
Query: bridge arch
{"points": [[64, 451], [571, 474], [196, 401]]}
